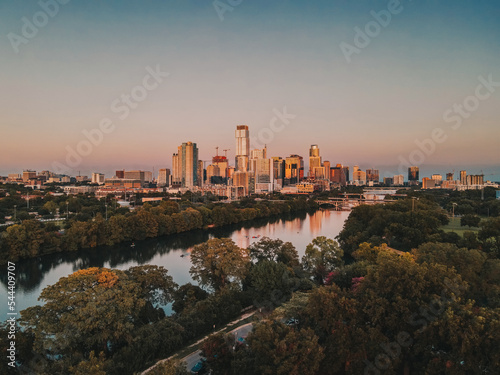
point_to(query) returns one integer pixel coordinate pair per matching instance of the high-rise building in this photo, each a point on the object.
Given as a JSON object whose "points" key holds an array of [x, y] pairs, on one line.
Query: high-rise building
{"points": [[450, 176], [28, 174], [120, 174], [98, 178], [294, 169], [314, 160], [339, 174], [222, 163], [359, 177], [327, 166], [263, 169], [164, 177], [176, 170], [200, 173], [463, 177], [242, 148], [213, 171], [278, 172], [437, 177], [185, 168], [372, 175], [398, 180], [413, 175]]}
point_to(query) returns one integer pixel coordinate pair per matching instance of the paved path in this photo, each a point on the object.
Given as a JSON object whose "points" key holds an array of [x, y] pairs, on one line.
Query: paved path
{"points": [[195, 357]]}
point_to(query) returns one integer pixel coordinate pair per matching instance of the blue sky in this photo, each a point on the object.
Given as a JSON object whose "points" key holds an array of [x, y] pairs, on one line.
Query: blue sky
{"points": [[260, 58]]}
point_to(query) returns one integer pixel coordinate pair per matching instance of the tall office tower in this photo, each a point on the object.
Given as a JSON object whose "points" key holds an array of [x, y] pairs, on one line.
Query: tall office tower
{"points": [[359, 177], [185, 165], [163, 177], [278, 172], [222, 163], [314, 160], [398, 180], [294, 169], [450, 176], [437, 177], [135, 175], [463, 177], [120, 174], [98, 178], [327, 166], [255, 155], [242, 148], [339, 174], [413, 175], [213, 171], [200, 173], [372, 175], [148, 176], [176, 170]]}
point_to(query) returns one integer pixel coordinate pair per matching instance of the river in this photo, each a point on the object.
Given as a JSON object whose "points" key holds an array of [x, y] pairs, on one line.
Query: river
{"points": [[33, 275]]}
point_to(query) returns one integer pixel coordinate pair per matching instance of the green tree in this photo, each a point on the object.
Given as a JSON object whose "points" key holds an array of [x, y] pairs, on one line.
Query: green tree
{"points": [[322, 256], [280, 350], [218, 262], [470, 220], [274, 250], [271, 283]]}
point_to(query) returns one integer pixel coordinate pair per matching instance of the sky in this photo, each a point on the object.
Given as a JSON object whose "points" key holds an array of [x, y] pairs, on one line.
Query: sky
{"points": [[381, 84]]}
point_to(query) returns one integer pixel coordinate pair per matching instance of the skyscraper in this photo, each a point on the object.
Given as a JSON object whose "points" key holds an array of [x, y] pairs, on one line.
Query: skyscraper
{"points": [[242, 148], [314, 160], [163, 177], [294, 169], [463, 177], [413, 175], [185, 166]]}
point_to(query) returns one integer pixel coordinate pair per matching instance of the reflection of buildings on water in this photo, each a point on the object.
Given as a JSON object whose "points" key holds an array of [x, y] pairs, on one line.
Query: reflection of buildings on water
{"points": [[316, 220], [294, 225]]}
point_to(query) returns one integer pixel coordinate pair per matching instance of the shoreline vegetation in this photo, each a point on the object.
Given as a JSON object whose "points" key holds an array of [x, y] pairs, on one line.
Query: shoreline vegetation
{"points": [[32, 238]]}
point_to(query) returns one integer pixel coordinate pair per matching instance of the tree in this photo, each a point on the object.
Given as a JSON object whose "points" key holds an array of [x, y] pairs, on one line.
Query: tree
{"points": [[274, 250], [218, 262], [92, 309], [93, 366], [216, 350], [322, 256], [271, 283], [470, 220], [187, 296], [170, 367], [279, 349]]}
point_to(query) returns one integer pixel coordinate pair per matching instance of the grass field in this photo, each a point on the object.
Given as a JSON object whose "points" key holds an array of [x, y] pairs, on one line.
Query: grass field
{"points": [[454, 226]]}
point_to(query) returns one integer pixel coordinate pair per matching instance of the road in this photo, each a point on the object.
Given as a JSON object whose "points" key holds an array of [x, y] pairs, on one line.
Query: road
{"points": [[195, 357]]}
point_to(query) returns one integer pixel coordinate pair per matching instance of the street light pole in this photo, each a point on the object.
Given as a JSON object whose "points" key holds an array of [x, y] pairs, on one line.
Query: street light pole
{"points": [[67, 210], [15, 212], [454, 204]]}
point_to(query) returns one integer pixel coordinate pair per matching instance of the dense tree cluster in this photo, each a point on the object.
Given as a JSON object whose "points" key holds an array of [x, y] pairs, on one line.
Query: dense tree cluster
{"points": [[32, 238], [402, 298]]}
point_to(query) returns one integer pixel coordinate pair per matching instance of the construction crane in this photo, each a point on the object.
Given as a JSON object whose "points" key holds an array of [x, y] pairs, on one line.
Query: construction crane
{"points": [[217, 151], [225, 152]]}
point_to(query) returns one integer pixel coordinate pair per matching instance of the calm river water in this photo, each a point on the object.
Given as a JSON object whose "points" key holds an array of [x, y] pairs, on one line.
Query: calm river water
{"points": [[35, 274]]}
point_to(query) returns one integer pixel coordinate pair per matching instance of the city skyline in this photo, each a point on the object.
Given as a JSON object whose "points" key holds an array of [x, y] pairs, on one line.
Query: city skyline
{"points": [[261, 64]]}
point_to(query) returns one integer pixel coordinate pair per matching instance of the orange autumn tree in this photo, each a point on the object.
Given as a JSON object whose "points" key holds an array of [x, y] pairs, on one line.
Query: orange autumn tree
{"points": [[96, 309]]}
